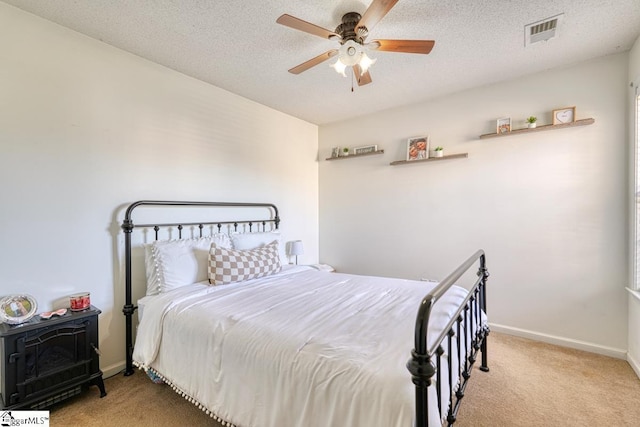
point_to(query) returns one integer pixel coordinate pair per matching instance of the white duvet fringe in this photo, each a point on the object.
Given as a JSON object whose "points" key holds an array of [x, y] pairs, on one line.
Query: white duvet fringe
{"points": [[443, 415], [184, 394]]}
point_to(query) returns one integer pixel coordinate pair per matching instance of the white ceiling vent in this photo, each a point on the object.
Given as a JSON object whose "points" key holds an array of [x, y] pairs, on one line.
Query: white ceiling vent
{"points": [[542, 31]]}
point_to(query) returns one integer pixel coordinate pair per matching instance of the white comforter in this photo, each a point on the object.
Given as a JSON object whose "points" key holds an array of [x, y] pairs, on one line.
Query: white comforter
{"points": [[301, 348]]}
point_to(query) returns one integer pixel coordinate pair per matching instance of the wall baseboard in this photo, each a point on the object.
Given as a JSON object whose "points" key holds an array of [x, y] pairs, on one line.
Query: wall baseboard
{"points": [[634, 364], [115, 369], [563, 342]]}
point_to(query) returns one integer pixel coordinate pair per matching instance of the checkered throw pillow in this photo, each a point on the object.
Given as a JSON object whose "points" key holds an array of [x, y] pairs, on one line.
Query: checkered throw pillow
{"points": [[229, 266]]}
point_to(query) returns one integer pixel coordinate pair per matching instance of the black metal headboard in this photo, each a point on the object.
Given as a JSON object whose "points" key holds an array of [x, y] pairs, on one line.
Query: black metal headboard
{"points": [[128, 226]]}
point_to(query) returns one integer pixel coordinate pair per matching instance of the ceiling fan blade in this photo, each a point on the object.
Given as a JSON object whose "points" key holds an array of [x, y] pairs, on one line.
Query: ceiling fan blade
{"points": [[404, 46], [376, 11], [299, 24], [363, 79], [314, 61]]}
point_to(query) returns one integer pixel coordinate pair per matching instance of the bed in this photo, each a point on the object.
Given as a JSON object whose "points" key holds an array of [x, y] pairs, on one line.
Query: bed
{"points": [[299, 346]]}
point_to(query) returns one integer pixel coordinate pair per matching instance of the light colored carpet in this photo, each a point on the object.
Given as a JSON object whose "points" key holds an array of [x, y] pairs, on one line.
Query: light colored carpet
{"points": [[537, 384], [530, 384]]}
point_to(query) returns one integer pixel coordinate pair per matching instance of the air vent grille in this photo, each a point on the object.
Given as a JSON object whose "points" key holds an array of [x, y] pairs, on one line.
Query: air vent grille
{"points": [[542, 30]]}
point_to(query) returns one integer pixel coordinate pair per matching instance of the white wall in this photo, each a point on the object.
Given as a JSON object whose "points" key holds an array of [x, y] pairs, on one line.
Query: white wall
{"points": [[634, 297], [549, 208], [86, 129]]}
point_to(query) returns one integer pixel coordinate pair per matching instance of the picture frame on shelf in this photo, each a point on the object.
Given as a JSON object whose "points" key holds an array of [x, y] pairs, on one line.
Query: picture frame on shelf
{"points": [[564, 115], [335, 152], [365, 149], [503, 125], [418, 148]]}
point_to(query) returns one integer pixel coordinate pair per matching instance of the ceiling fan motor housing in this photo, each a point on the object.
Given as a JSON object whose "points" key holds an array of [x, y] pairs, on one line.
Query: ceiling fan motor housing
{"points": [[347, 29]]}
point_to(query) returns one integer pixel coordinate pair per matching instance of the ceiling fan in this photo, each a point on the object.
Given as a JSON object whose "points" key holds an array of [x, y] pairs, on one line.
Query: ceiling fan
{"points": [[351, 35]]}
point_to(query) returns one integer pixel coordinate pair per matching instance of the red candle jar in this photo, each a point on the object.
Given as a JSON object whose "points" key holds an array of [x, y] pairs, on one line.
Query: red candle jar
{"points": [[80, 301]]}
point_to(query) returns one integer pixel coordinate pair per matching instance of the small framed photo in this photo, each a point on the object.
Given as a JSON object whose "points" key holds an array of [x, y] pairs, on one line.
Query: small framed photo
{"points": [[365, 149], [503, 125], [418, 148], [16, 309], [564, 115], [335, 151]]}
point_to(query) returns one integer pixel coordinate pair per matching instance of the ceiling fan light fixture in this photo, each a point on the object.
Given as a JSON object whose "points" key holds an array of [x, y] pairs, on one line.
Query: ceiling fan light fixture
{"points": [[340, 67], [366, 62], [350, 53]]}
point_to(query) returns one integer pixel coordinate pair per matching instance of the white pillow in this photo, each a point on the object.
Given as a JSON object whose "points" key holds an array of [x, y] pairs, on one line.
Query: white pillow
{"points": [[230, 266], [247, 241], [153, 281], [174, 263]]}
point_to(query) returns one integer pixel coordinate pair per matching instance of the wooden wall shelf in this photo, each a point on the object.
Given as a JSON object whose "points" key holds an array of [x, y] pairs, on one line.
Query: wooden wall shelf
{"points": [[430, 159], [351, 156], [583, 122]]}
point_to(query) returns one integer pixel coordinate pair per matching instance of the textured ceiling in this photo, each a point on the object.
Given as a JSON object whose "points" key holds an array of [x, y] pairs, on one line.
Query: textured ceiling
{"points": [[237, 45]]}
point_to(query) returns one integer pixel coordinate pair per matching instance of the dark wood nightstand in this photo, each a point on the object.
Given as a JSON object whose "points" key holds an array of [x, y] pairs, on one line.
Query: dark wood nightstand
{"points": [[46, 361]]}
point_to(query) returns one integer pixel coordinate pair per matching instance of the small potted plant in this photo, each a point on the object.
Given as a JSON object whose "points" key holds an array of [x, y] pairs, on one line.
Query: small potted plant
{"points": [[531, 121], [345, 151], [437, 152]]}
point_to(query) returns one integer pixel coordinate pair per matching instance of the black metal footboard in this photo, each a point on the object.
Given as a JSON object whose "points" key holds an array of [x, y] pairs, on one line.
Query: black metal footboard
{"points": [[128, 226], [465, 334]]}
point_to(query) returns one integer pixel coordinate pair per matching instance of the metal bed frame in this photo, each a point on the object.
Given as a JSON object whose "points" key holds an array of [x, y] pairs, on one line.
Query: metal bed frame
{"points": [[465, 330], [470, 337]]}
